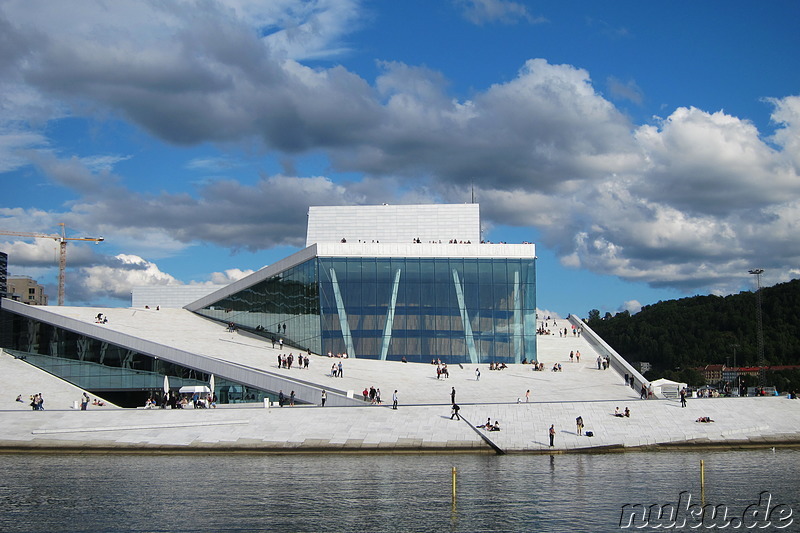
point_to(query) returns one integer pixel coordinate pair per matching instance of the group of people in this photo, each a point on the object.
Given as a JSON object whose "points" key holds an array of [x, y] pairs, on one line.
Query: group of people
{"points": [[603, 363], [286, 361], [622, 414], [338, 355], [282, 400], [417, 240], [497, 366], [576, 332], [37, 402], [179, 401], [372, 395], [84, 402], [488, 426], [575, 356], [336, 370], [442, 372], [708, 393], [544, 328], [101, 319]]}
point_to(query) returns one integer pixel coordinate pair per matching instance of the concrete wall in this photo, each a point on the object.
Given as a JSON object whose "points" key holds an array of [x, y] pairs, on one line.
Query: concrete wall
{"points": [[394, 223]]}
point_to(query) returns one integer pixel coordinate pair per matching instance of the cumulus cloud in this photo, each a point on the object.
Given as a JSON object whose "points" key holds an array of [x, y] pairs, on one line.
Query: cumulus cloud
{"points": [[229, 276], [46, 253], [115, 278], [787, 115], [631, 306]]}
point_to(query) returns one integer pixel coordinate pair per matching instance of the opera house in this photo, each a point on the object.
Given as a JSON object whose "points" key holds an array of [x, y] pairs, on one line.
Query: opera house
{"points": [[409, 283]]}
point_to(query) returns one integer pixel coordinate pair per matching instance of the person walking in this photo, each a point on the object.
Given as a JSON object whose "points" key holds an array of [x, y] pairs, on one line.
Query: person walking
{"points": [[339, 373], [683, 397], [291, 399], [324, 397], [477, 374], [455, 412], [527, 396], [453, 396], [552, 434], [394, 399]]}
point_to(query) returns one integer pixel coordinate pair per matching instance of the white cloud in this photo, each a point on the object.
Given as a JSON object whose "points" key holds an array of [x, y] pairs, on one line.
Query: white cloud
{"points": [[116, 278], [15, 144], [229, 276], [711, 163], [787, 115], [631, 306], [103, 163]]}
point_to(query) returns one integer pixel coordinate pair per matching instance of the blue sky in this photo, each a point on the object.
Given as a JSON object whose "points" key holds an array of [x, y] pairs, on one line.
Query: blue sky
{"points": [[650, 150]]}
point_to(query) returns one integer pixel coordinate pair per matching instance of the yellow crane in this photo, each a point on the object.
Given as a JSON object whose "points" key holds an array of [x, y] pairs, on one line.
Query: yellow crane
{"points": [[62, 259]]}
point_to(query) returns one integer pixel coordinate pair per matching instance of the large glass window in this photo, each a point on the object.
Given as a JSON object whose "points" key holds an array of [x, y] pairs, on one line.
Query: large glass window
{"points": [[457, 310], [454, 309], [285, 306]]}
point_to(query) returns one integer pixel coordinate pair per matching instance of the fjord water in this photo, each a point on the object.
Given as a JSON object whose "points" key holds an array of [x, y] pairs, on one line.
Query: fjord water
{"points": [[360, 493]]}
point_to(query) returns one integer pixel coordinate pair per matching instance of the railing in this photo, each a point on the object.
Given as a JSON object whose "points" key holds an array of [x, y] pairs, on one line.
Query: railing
{"points": [[616, 361]]}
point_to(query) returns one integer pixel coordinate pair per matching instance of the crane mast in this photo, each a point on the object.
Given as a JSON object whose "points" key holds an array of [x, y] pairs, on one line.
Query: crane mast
{"points": [[62, 251]]}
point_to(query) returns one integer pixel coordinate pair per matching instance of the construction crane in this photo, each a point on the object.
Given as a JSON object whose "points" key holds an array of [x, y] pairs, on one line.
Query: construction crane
{"points": [[62, 259]]}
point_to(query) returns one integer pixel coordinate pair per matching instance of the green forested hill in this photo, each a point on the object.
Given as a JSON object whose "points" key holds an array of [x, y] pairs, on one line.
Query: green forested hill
{"points": [[700, 330]]}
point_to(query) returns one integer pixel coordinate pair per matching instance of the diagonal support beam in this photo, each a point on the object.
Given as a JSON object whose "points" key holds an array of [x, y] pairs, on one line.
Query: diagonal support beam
{"points": [[348, 337], [468, 336], [387, 328]]}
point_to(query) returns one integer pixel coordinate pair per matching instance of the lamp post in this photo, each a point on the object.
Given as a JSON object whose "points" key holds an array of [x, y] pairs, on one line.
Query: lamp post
{"points": [[734, 346], [762, 373], [738, 379]]}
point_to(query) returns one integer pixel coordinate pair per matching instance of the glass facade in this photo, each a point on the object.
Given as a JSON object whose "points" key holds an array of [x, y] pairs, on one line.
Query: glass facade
{"points": [[460, 310], [284, 306], [123, 376]]}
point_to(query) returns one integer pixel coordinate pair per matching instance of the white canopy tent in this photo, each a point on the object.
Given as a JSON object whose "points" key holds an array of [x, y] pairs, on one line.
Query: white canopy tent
{"points": [[667, 388]]}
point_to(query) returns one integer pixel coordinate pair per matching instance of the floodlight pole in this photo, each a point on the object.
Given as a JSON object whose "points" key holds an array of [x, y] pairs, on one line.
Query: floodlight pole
{"points": [[762, 372]]}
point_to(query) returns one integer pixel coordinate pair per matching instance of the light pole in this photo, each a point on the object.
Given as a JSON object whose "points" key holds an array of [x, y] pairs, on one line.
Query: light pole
{"points": [[734, 346], [738, 380], [762, 373]]}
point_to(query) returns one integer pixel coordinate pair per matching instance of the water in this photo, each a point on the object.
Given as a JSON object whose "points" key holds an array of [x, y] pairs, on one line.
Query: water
{"points": [[364, 493]]}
